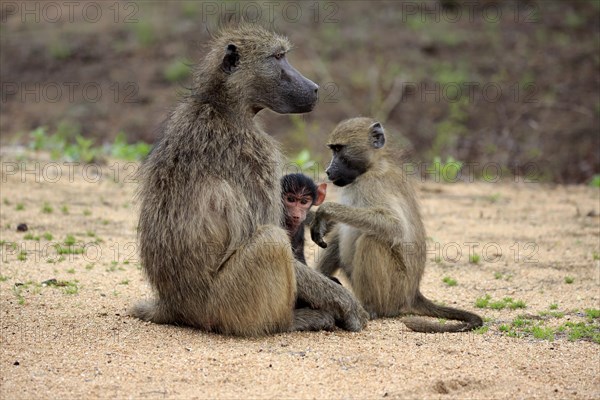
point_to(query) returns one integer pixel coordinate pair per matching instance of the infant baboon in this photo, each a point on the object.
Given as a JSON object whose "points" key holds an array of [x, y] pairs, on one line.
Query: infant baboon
{"points": [[211, 242], [379, 238], [299, 193]]}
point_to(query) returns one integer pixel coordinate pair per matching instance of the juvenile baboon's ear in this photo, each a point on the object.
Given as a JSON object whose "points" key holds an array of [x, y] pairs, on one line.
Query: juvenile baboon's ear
{"points": [[377, 135], [231, 59], [321, 193]]}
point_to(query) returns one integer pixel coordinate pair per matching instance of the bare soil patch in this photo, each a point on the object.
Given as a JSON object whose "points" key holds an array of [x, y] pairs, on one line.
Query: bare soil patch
{"points": [[72, 338]]}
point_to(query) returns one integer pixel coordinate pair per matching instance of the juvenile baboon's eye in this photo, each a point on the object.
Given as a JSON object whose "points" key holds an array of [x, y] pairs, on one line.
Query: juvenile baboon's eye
{"points": [[290, 199]]}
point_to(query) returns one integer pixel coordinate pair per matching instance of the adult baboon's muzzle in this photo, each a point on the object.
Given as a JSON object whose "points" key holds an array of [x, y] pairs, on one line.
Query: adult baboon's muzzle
{"points": [[302, 93]]}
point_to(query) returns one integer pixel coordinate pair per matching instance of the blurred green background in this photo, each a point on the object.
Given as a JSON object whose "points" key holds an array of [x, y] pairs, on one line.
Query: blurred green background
{"points": [[513, 83]]}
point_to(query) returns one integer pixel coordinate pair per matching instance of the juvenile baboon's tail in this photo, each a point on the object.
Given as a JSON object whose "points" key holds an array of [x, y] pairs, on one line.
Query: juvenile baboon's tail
{"points": [[423, 306], [151, 310]]}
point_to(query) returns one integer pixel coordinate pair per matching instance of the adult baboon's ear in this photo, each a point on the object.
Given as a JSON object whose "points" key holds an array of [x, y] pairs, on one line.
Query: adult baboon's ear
{"points": [[377, 135], [231, 59]]}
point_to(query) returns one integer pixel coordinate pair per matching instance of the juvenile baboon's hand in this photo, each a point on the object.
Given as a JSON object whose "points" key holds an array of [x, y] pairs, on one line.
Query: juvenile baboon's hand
{"points": [[318, 227]]}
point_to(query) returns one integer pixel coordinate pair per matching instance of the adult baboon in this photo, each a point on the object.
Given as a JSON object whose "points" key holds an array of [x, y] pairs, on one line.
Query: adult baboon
{"points": [[379, 238], [210, 235]]}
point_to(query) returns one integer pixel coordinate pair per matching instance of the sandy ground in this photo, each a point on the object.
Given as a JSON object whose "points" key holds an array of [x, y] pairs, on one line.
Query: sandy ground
{"points": [[76, 341]]}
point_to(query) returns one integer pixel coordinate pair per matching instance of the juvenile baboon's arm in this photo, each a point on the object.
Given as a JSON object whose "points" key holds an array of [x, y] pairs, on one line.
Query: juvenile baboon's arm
{"points": [[375, 221]]}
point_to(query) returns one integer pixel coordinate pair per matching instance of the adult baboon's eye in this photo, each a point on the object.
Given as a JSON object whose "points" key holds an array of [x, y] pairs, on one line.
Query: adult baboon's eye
{"points": [[336, 148], [278, 56]]}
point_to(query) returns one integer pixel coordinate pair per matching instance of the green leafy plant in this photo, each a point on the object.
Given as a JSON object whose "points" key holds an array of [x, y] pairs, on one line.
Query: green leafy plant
{"points": [[592, 313], [303, 160], [22, 256], [130, 152], [581, 330], [449, 281], [70, 240], [47, 208], [507, 302], [144, 33], [68, 250], [39, 139], [542, 332], [59, 49], [69, 287], [17, 290], [82, 150], [482, 329], [177, 71], [449, 170], [68, 143]]}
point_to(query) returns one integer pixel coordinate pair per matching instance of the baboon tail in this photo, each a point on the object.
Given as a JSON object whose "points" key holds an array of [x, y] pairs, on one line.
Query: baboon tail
{"points": [[427, 308], [151, 310]]}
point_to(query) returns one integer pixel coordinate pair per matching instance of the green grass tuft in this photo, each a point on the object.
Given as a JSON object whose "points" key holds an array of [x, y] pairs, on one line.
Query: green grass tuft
{"points": [[47, 208], [449, 281]]}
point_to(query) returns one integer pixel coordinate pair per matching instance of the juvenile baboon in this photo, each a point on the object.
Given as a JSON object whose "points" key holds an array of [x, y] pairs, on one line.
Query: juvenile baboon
{"points": [[299, 193], [210, 236], [379, 238]]}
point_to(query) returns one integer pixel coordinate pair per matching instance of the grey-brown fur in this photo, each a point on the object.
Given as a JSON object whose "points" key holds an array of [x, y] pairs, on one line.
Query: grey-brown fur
{"points": [[210, 236], [379, 238]]}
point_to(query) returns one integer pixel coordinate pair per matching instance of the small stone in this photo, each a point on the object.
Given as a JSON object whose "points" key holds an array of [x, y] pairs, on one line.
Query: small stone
{"points": [[22, 227], [16, 363]]}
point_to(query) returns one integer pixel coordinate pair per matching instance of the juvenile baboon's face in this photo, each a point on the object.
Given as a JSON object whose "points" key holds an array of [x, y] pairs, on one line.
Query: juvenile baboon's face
{"points": [[255, 62], [353, 144]]}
